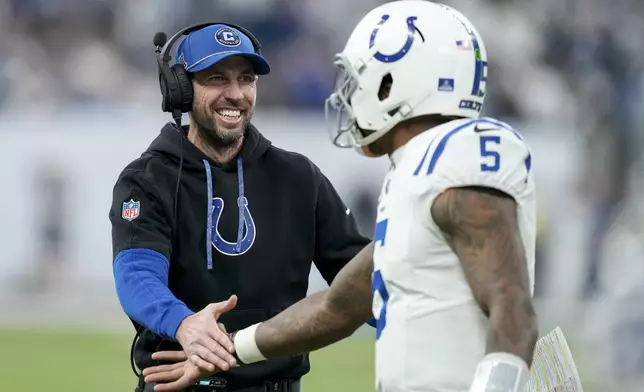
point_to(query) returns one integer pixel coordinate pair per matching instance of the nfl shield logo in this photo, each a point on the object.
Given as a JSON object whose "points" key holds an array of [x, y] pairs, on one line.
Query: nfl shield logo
{"points": [[131, 210]]}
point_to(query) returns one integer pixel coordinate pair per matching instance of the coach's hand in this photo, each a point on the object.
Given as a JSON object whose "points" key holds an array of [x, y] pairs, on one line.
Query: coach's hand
{"points": [[175, 377], [204, 343]]}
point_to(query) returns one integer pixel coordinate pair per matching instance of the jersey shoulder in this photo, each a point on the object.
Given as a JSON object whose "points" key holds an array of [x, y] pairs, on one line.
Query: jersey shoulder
{"points": [[473, 152]]}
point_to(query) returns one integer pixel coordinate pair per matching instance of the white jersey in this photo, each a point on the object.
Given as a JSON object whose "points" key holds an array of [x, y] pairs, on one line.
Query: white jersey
{"points": [[431, 333]]}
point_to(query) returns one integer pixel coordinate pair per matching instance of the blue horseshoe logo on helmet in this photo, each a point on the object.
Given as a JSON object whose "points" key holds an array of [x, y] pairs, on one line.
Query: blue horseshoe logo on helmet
{"points": [[390, 58]]}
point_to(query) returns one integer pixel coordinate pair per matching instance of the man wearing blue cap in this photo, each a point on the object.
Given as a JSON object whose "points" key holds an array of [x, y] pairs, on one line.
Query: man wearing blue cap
{"points": [[221, 112], [212, 211]]}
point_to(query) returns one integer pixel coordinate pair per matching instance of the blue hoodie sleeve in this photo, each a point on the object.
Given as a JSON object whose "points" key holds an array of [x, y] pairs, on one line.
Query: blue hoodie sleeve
{"points": [[141, 277], [141, 244]]}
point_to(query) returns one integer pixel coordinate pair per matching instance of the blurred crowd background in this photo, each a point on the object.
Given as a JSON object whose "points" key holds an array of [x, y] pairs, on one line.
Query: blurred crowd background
{"points": [[576, 60], [568, 73]]}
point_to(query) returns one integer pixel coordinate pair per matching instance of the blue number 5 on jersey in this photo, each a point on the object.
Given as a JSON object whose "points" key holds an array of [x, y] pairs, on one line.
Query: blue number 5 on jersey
{"points": [[378, 283], [489, 153]]}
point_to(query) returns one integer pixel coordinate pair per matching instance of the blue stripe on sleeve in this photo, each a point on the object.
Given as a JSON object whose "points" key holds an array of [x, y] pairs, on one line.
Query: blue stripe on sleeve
{"points": [[443, 142], [141, 278], [441, 145]]}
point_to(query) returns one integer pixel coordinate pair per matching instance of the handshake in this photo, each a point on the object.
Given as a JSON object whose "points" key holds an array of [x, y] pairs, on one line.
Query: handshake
{"points": [[207, 349]]}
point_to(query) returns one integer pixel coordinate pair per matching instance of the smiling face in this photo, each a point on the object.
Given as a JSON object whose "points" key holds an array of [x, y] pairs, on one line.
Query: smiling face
{"points": [[224, 99]]}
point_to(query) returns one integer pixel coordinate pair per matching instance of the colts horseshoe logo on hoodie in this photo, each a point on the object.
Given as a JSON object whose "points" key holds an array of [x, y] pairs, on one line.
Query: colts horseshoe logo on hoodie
{"points": [[232, 248], [246, 232]]}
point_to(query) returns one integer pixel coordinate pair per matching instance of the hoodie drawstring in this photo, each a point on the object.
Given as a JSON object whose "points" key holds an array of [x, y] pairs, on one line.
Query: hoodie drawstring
{"points": [[240, 206]]}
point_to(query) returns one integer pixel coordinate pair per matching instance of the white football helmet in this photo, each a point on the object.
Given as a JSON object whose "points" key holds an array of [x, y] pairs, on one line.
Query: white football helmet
{"points": [[434, 56]]}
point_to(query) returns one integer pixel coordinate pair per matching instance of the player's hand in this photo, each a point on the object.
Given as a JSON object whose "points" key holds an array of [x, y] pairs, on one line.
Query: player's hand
{"points": [[174, 377], [205, 344]]}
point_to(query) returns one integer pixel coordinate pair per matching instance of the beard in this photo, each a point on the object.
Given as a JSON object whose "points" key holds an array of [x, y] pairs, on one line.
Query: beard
{"points": [[221, 137]]}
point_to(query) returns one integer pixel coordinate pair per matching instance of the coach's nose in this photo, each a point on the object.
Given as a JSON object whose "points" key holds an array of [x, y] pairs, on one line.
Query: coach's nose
{"points": [[234, 91]]}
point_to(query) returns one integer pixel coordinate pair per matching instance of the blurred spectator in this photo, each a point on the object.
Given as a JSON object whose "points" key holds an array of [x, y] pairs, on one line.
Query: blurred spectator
{"points": [[52, 223]]}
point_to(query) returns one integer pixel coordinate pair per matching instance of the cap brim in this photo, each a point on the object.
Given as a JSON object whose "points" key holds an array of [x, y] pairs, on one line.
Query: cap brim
{"points": [[259, 63]]}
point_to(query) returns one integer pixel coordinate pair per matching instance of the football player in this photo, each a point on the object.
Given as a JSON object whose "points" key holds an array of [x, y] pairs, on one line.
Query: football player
{"points": [[449, 277]]}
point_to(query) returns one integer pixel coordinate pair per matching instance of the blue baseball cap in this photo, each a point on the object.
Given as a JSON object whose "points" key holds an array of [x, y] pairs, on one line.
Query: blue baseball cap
{"points": [[205, 47]]}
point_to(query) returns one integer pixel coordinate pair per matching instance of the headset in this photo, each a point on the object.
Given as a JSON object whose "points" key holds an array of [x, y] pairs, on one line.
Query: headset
{"points": [[175, 81]]}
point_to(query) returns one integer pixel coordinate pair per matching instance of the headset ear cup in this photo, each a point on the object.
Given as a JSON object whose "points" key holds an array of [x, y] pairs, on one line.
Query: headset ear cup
{"points": [[174, 89], [166, 104], [184, 82]]}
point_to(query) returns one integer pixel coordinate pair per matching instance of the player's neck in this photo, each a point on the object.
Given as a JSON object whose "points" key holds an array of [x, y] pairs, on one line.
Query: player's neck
{"points": [[219, 154], [406, 131]]}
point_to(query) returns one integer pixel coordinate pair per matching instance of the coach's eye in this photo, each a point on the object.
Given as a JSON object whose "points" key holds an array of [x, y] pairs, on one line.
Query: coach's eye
{"points": [[247, 79], [215, 78]]}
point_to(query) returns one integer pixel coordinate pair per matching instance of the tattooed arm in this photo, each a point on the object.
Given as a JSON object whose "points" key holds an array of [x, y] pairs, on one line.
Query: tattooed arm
{"points": [[316, 321], [480, 224], [312, 323]]}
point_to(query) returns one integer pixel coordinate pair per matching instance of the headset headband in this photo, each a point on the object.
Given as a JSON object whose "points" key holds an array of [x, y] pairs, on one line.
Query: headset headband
{"points": [[165, 55]]}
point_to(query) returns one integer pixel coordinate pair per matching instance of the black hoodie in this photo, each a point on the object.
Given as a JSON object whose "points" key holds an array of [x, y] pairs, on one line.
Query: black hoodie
{"points": [[283, 209]]}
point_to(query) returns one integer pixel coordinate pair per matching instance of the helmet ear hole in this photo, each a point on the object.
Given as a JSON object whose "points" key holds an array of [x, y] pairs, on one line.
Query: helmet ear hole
{"points": [[385, 87]]}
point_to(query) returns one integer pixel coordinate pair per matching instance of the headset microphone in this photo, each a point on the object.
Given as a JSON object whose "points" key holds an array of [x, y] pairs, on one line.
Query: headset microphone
{"points": [[159, 40]]}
